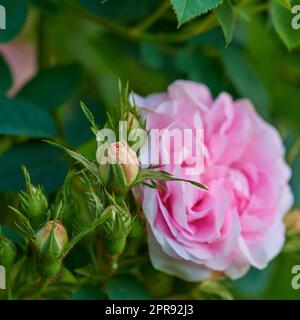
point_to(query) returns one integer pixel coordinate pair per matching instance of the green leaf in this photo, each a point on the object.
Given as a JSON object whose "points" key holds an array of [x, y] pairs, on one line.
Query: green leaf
{"points": [[90, 117], [125, 287], [150, 174], [285, 3], [188, 9], [226, 18], [16, 15], [280, 286], [42, 161], [52, 87], [282, 21], [245, 80], [18, 117], [6, 80], [262, 50]]}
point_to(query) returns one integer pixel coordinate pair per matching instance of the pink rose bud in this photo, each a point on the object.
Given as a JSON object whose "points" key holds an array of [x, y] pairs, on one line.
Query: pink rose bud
{"points": [[118, 166], [51, 240]]}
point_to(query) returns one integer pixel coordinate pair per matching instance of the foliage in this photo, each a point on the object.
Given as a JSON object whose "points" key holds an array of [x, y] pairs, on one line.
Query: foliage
{"points": [[246, 47]]}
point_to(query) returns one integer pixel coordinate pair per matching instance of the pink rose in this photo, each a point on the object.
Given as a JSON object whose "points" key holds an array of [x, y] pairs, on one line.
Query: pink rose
{"points": [[238, 223]]}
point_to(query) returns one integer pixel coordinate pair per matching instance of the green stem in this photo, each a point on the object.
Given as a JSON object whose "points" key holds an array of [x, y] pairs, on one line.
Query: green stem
{"points": [[138, 33], [208, 23], [151, 19], [9, 288], [259, 8], [43, 285]]}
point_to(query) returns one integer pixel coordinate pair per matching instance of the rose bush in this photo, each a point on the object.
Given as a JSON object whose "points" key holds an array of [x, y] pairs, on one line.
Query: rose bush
{"points": [[238, 222]]}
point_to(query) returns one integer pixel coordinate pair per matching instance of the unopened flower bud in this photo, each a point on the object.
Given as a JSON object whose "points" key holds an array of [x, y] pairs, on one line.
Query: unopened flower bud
{"points": [[33, 202], [51, 240], [115, 230], [50, 270], [7, 252], [118, 166]]}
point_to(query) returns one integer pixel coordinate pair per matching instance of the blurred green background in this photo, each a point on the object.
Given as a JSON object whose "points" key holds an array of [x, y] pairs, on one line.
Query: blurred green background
{"points": [[55, 53]]}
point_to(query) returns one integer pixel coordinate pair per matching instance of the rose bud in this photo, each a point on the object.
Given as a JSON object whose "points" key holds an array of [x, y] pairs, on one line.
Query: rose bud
{"points": [[118, 166], [33, 202], [50, 270], [116, 229], [51, 240], [7, 252]]}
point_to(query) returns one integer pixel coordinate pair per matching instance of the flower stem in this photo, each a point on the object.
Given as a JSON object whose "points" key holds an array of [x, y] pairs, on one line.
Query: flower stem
{"points": [[43, 285], [150, 20], [208, 23], [9, 288]]}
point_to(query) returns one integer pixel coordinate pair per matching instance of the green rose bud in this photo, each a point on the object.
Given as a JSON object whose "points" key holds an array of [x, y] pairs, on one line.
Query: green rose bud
{"points": [[118, 166], [7, 252], [33, 202], [50, 270], [51, 241], [116, 229]]}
